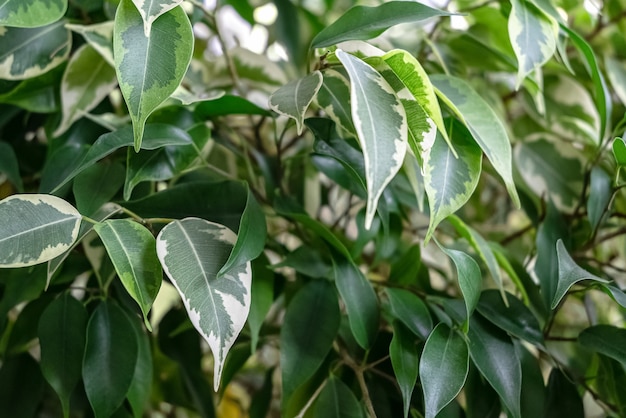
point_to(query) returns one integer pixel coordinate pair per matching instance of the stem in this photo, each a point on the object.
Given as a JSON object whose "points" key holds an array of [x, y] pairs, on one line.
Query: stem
{"points": [[311, 400]]}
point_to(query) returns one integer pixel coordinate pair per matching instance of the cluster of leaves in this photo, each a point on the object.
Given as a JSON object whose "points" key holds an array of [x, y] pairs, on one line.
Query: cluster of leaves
{"points": [[440, 207]]}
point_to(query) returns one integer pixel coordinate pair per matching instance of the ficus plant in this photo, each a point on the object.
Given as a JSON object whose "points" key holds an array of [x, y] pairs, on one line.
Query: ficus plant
{"points": [[312, 209]]}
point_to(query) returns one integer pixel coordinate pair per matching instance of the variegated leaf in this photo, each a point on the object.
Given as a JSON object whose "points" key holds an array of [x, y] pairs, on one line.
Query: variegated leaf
{"points": [[99, 36], [334, 98], [150, 10], [482, 121], [149, 69], [192, 251], [293, 99], [31, 13], [35, 228], [381, 126], [87, 80], [255, 68], [29, 52], [533, 35]]}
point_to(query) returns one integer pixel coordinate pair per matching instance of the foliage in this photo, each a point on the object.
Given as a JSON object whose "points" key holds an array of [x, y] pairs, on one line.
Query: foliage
{"points": [[381, 209]]}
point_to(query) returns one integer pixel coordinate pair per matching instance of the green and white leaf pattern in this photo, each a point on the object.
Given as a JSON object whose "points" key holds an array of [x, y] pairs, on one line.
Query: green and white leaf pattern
{"points": [[29, 52], [31, 13], [35, 228], [381, 126], [482, 121], [150, 10], [99, 36], [191, 252], [533, 35], [149, 69], [334, 98], [293, 99], [87, 80]]}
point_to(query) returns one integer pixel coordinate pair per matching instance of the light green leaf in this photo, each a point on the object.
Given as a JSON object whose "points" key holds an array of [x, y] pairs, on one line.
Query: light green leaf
{"points": [[483, 123], [533, 35], [110, 358], [29, 52], [9, 166], [310, 326], [150, 10], [31, 13], [293, 99], [362, 22], [605, 339], [149, 69], [409, 309], [443, 368], [132, 250], [191, 252], [619, 151], [99, 36], [381, 126], [87, 80], [62, 332], [600, 191], [569, 274], [405, 362], [449, 180], [336, 400], [360, 299], [38, 228], [334, 98]]}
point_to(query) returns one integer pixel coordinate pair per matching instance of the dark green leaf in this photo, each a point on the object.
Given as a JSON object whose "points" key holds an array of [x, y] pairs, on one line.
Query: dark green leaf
{"points": [[533, 389], [21, 386], [90, 189], [9, 166], [600, 191], [141, 386], [409, 309], [405, 361], [228, 105], [262, 297], [605, 339], [336, 400], [563, 399]]}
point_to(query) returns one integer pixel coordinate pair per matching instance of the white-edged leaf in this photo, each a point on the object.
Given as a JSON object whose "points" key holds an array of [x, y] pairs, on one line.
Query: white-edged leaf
{"points": [[381, 126], [150, 10], [293, 99], [533, 35], [87, 80], [31, 13], [29, 52], [99, 36], [191, 252], [482, 121], [132, 250], [149, 69], [334, 98], [35, 228]]}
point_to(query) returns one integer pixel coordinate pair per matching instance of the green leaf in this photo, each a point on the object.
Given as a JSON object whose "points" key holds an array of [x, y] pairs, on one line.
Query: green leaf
{"points": [[494, 354], [360, 299], [149, 68], [150, 10], [483, 123], [617, 76], [251, 236], [310, 326], [449, 180], [87, 80], [141, 386], [132, 250], [41, 228], [362, 22], [533, 394], [610, 381], [605, 339], [31, 13], [91, 192], [110, 358], [99, 36], [619, 151], [21, 386], [334, 98], [62, 332], [569, 274], [228, 105], [563, 399], [293, 99], [469, 277], [443, 368], [533, 35], [192, 251], [336, 400], [600, 191], [39, 94], [9, 166], [405, 362], [409, 309], [29, 52], [262, 297], [381, 126]]}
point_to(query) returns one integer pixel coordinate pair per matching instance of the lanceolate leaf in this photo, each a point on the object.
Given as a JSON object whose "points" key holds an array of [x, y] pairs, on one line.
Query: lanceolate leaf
{"points": [[381, 126], [62, 333], [600, 191], [619, 151], [485, 126], [87, 80], [362, 22], [99, 36], [191, 252], [150, 10], [140, 388], [409, 309], [405, 362], [443, 368], [149, 68], [336, 400], [569, 274], [132, 250], [334, 98], [31, 13], [533, 35], [29, 52], [35, 228], [293, 99], [606, 339]]}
